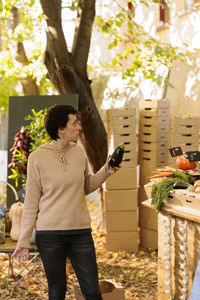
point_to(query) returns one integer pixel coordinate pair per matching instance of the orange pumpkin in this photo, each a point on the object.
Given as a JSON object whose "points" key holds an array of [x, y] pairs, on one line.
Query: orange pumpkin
{"points": [[15, 214], [183, 163]]}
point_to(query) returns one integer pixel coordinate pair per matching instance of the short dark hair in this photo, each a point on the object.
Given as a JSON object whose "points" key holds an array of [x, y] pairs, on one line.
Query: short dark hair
{"points": [[57, 117]]}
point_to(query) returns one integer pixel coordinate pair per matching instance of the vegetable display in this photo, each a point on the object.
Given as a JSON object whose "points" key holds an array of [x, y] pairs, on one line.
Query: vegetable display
{"points": [[183, 163], [160, 191]]}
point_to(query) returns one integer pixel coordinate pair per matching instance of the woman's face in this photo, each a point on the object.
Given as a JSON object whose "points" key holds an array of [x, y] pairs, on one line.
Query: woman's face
{"points": [[72, 130]]}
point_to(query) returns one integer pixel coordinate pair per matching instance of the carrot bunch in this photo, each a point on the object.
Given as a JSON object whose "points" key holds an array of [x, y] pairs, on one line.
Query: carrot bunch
{"points": [[162, 173]]}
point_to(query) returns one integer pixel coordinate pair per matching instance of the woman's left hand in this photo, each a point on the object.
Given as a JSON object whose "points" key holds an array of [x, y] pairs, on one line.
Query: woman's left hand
{"points": [[110, 170]]}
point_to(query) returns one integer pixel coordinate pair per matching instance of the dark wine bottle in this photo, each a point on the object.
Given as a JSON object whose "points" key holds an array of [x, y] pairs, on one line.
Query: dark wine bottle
{"points": [[116, 157]]}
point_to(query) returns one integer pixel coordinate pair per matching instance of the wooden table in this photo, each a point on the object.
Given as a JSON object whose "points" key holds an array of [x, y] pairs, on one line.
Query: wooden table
{"points": [[178, 250], [8, 247]]}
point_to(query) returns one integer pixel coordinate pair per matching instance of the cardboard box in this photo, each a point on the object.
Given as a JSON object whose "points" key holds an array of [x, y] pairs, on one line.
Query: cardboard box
{"points": [[121, 221], [119, 200], [148, 218], [149, 238], [148, 189], [124, 178], [110, 291], [183, 198], [127, 241]]}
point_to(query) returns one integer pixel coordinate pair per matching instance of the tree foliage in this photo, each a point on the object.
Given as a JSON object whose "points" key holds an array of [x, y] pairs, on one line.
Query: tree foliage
{"points": [[27, 33], [141, 59]]}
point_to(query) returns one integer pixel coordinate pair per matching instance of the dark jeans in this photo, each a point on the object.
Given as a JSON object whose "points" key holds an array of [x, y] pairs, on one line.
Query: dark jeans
{"points": [[79, 248]]}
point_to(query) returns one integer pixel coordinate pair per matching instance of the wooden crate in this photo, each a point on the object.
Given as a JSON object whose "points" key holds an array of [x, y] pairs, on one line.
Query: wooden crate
{"points": [[130, 142], [154, 147], [177, 121], [187, 147], [153, 156], [154, 112], [149, 128], [123, 129], [154, 120], [161, 103], [151, 164], [123, 120], [184, 129], [153, 161], [179, 139], [130, 159], [121, 112], [161, 137]]}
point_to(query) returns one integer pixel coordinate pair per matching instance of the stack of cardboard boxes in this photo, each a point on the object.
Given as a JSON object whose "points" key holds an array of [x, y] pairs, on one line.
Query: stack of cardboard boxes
{"points": [[153, 153], [184, 132], [121, 188]]}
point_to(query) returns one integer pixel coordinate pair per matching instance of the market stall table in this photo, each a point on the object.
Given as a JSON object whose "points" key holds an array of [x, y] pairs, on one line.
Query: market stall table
{"points": [[178, 250], [8, 248]]}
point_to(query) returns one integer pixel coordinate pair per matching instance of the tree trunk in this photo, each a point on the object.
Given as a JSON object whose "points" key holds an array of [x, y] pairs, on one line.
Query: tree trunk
{"points": [[68, 72]]}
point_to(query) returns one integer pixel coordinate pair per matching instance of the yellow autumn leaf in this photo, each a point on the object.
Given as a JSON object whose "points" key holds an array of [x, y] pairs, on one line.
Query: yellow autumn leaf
{"points": [[141, 272]]}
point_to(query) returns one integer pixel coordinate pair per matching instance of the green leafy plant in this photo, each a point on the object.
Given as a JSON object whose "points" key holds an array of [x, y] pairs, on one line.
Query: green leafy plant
{"points": [[27, 140], [160, 192]]}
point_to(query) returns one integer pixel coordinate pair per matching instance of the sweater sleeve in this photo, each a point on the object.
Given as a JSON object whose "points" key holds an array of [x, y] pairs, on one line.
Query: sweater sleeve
{"points": [[31, 203], [92, 182]]}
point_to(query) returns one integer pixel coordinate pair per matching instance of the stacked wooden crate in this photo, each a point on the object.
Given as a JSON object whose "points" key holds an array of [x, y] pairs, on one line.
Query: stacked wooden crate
{"points": [[153, 153], [184, 132], [121, 188]]}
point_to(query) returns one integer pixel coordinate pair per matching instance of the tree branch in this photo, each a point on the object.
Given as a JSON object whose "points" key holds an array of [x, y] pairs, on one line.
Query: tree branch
{"points": [[82, 37], [29, 83], [56, 39]]}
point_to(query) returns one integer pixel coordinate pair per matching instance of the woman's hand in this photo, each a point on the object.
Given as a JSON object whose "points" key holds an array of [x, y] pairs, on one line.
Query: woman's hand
{"points": [[21, 254], [110, 170]]}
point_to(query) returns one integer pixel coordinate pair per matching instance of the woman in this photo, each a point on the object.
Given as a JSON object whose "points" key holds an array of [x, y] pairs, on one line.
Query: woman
{"points": [[57, 182]]}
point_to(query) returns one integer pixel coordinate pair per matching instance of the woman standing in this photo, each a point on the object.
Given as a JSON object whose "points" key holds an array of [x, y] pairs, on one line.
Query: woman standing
{"points": [[57, 182]]}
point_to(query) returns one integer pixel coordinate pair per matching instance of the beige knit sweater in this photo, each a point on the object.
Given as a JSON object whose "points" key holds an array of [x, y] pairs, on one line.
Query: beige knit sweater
{"points": [[57, 183]]}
